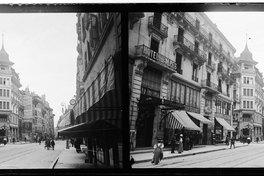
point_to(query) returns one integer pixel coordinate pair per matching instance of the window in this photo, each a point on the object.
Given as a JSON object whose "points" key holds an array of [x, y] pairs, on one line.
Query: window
{"points": [[197, 24], [195, 72], [209, 58], [210, 37], [7, 93], [180, 35], [219, 85], [179, 62], [196, 47], [154, 45], [227, 90], [244, 104]]}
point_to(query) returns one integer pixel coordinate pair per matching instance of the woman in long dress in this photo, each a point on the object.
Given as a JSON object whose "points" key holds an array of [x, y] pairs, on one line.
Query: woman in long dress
{"points": [[180, 148], [158, 153]]}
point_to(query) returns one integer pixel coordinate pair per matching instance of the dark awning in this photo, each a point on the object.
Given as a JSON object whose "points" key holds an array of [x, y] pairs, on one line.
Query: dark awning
{"points": [[107, 108], [95, 129]]}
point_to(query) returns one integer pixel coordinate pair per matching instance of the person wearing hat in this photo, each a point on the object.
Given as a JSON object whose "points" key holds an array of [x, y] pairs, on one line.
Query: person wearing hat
{"points": [[158, 153], [180, 148]]}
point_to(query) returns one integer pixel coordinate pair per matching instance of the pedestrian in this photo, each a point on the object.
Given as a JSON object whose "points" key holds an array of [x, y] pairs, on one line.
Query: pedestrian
{"points": [[77, 146], [180, 148], [131, 162], [173, 144], [158, 153], [14, 140], [187, 143], [5, 141], [25, 139], [191, 141], [72, 142], [227, 140], [39, 141], [257, 139], [52, 144], [248, 140], [232, 142]]}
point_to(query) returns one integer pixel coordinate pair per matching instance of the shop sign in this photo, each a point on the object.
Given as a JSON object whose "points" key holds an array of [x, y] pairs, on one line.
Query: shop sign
{"points": [[158, 57]]}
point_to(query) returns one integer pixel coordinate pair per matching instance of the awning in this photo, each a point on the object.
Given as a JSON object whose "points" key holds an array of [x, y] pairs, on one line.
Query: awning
{"points": [[199, 117], [225, 124], [93, 129], [182, 120], [256, 124]]}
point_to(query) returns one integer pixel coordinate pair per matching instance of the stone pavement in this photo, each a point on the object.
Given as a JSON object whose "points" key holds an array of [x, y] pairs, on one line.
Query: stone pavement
{"points": [[146, 155], [70, 159]]}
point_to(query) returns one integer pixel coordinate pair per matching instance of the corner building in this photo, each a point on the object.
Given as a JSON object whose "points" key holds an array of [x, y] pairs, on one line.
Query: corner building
{"points": [[180, 79], [248, 107]]}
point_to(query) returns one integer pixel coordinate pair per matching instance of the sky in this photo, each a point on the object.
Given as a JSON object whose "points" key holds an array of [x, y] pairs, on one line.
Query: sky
{"points": [[236, 26], [42, 47]]}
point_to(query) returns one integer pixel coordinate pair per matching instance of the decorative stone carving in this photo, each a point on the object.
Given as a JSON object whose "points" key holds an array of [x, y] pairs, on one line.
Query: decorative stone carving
{"points": [[166, 77], [140, 65]]}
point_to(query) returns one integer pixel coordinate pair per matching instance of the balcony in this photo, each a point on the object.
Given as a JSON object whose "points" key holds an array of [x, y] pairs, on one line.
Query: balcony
{"points": [[188, 48], [157, 59], [210, 86], [225, 75], [211, 66], [235, 98], [194, 78], [157, 27], [248, 71]]}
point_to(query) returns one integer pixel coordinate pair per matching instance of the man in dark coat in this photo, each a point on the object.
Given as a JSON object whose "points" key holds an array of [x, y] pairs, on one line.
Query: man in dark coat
{"points": [[232, 142], [173, 144]]}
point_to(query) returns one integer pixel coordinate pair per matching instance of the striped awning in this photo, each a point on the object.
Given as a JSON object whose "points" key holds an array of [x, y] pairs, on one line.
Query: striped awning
{"points": [[182, 120], [107, 108], [173, 123], [199, 117], [225, 124]]}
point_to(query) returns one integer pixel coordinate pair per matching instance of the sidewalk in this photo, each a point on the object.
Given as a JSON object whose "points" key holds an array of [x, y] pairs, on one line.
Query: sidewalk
{"points": [[146, 155], [70, 159]]}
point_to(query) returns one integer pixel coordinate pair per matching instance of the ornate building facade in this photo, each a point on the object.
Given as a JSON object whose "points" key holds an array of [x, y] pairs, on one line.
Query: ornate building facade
{"points": [[180, 67]]}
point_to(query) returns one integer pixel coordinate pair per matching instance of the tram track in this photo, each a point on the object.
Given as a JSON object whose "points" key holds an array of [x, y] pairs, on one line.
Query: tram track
{"points": [[214, 160], [17, 155]]}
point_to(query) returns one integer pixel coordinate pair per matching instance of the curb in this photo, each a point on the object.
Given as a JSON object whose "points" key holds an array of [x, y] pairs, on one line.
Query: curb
{"points": [[53, 164], [188, 154]]}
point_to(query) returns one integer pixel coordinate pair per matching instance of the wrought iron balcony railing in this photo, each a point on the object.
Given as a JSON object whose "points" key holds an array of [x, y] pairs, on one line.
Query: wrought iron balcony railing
{"points": [[188, 44], [158, 27], [209, 84], [144, 51]]}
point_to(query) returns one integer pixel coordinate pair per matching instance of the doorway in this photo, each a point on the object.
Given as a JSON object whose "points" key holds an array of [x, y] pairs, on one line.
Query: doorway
{"points": [[144, 125]]}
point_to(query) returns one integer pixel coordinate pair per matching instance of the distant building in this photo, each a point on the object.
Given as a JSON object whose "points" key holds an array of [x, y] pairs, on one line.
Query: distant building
{"points": [[248, 93], [38, 117], [11, 108]]}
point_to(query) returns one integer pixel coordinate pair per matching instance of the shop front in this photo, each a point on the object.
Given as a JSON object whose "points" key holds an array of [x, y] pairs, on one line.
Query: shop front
{"points": [[221, 125]]}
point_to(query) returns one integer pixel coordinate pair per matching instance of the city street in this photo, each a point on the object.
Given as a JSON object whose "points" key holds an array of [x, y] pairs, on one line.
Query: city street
{"points": [[29, 155], [248, 156]]}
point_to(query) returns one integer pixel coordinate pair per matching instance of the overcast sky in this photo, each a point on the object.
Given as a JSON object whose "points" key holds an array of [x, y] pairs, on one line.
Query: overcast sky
{"points": [[235, 25], [43, 48]]}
